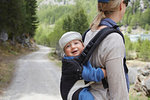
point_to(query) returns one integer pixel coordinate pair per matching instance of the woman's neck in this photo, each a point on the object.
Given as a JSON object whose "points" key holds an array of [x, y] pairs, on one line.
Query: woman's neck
{"points": [[115, 16]]}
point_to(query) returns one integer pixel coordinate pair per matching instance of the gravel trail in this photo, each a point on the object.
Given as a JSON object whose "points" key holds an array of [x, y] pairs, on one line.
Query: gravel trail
{"points": [[36, 78]]}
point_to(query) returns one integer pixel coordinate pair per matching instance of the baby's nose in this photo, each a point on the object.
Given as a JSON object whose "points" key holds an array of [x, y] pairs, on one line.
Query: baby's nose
{"points": [[73, 45]]}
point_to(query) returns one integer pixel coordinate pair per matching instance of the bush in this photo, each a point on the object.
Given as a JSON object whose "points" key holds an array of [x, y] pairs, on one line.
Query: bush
{"points": [[147, 27], [144, 50], [130, 48], [129, 29]]}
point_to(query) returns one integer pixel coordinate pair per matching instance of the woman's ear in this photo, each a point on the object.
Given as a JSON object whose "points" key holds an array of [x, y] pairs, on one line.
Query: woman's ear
{"points": [[120, 8]]}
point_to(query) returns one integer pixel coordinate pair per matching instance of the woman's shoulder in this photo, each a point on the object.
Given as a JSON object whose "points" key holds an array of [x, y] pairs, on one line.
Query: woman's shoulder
{"points": [[115, 37], [89, 35]]}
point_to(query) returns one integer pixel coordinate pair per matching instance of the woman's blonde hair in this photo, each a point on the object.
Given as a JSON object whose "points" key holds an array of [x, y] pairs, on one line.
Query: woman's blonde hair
{"points": [[104, 9]]}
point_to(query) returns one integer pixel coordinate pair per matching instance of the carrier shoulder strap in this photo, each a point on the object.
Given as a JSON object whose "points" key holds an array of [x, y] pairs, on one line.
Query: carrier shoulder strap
{"points": [[95, 41]]}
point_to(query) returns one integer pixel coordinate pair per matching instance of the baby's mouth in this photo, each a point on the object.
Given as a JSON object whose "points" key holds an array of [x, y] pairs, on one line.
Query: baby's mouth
{"points": [[74, 51]]}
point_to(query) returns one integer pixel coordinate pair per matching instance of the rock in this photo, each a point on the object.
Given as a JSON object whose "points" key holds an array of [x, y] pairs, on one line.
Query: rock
{"points": [[132, 75], [59, 51], [147, 83], [142, 83], [3, 36]]}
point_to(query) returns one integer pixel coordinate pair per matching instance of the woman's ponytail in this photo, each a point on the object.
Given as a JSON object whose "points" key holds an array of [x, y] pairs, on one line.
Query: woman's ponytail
{"points": [[97, 20], [104, 9]]}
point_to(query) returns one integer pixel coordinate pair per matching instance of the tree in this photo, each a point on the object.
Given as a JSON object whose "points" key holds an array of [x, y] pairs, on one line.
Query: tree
{"points": [[146, 3], [67, 24], [31, 18], [73, 22], [80, 22], [129, 29], [147, 27], [15, 19], [145, 18], [135, 4], [144, 50], [76, 21], [3, 15]]}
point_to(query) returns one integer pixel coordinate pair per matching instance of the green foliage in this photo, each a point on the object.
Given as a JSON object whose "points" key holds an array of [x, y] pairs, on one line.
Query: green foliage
{"points": [[31, 16], [128, 43], [138, 49], [15, 17], [146, 3], [67, 24], [135, 16], [79, 21], [147, 27], [145, 18], [56, 34], [144, 49], [90, 8], [39, 1], [3, 14], [50, 14], [129, 29], [18, 17], [130, 48], [76, 21], [42, 34], [76, 18]]}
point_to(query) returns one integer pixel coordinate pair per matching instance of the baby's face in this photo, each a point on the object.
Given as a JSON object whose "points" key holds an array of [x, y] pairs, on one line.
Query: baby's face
{"points": [[73, 48]]}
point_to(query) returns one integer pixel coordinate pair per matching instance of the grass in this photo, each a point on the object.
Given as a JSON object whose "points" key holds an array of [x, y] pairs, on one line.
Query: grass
{"points": [[54, 57], [133, 95], [6, 71], [8, 55], [138, 97]]}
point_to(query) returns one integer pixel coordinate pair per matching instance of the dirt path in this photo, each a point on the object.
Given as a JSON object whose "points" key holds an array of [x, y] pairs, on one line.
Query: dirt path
{"points": [[36, 78]]}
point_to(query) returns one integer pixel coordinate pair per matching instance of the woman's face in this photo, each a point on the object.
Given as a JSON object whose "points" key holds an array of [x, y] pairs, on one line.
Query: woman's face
{"points": [[73, 48]]}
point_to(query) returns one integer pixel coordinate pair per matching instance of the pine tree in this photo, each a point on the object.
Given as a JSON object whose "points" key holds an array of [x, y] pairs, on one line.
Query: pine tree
{"points": [[67, 24], [3, 15], [31, 18], [144, 50], [80, 22], [15, 19]]}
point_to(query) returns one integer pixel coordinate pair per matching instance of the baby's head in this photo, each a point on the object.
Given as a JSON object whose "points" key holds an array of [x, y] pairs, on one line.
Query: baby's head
{"points": [[71, 43]]}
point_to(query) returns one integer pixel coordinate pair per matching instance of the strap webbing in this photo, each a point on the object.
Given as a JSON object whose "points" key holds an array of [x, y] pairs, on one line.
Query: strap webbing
{"points": [[95, 41]]}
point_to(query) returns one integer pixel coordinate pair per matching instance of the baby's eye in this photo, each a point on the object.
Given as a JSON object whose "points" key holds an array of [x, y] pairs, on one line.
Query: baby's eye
{"points": [[67, 46], [76, 43]]}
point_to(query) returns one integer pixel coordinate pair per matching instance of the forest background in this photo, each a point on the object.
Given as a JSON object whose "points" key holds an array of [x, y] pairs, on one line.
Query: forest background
{"points": [[76, 15], [46, 20]]}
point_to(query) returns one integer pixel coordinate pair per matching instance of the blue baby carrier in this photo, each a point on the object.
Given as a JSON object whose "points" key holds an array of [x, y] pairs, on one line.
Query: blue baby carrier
{"points": [[72, 68]]}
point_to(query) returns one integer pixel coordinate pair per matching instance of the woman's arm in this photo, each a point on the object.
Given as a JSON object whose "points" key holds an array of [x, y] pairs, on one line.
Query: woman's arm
{"points": [[115, 69]]}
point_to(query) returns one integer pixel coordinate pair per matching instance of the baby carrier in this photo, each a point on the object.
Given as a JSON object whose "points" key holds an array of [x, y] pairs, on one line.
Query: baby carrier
{"points": [[72, 68]]}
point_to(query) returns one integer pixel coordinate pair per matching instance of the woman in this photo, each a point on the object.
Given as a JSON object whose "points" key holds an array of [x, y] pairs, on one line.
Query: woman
{"points": [[110, 53]]}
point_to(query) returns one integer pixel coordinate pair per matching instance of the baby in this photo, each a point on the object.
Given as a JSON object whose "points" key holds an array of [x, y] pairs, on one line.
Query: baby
{"points": [[70, 87]]}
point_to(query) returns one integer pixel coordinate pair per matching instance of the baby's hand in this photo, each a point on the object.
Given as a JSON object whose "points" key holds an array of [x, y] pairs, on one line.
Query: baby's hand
{"points": [[104, 71]]}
